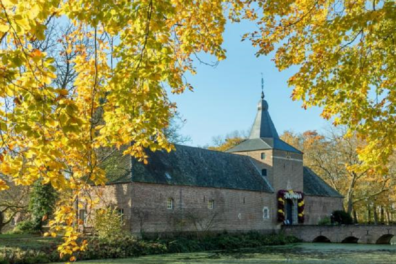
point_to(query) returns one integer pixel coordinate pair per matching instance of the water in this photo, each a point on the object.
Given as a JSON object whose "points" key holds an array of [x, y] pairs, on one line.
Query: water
{"points": [[304, 253]]}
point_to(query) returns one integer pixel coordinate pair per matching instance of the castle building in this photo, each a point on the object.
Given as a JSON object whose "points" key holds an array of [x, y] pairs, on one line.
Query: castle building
{"points": [[259, 184]]}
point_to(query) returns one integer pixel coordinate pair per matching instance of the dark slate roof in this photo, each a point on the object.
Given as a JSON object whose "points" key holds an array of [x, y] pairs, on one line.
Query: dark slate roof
{"points": [[314, 185], [263, 144], [263, 127], [263, 134], [192, 166]]}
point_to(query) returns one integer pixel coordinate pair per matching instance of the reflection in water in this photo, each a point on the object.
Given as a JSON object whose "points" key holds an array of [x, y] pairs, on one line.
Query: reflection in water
{"points": [[321, 239], [351, 240]]}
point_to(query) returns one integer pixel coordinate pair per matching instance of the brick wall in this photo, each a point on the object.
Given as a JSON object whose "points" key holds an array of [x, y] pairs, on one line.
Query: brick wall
{"points": [[284, 169], [146, 209], [266, 163], [316, 208], [288, 170]]}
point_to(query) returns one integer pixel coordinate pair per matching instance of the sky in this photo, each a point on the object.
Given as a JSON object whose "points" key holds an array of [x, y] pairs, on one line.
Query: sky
{"points": [[225, 98]]}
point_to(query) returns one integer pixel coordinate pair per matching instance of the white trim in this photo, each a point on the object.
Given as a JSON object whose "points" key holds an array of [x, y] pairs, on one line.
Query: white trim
{"points": [[266, 210], [283, 158]]}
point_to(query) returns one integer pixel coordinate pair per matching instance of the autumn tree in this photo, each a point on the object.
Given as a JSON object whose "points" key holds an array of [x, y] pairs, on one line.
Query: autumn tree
{"points": [[124, 54], [334, 157], [344, 55], [223, 143]]}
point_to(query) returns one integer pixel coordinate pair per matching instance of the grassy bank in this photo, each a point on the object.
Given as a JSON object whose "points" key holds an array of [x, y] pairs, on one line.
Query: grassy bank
{"points": [[303, 253], [31, 249]]}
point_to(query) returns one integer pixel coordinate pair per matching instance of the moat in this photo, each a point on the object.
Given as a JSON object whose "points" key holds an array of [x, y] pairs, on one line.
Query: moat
{"points": [[296, 253]]}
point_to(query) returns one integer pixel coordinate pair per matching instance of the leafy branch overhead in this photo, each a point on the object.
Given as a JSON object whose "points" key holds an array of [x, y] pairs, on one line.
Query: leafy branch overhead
{"points": [[100, 84], [344, 53]]}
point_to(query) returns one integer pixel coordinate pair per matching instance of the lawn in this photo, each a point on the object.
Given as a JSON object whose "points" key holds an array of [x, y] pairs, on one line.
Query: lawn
{"points": [[305, 253], [26, 241]]}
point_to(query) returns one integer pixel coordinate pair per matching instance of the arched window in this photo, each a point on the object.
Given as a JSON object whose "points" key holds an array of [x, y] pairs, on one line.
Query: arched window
{"points": [[266, 213], [264, 172], [262, 155], [170, 204], [211, 204]]}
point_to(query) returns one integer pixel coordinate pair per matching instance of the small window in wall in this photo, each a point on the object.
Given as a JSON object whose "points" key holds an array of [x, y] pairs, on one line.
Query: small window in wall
{"points": [[211, 204], [121, 213], [266, 213], [82, 216], [262, 155], [264, 172], [170, 203]]}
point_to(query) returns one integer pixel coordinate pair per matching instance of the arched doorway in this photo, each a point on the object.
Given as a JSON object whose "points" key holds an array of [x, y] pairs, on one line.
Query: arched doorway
{"points": [[321, 239], [350, 240], [387, 239], [289, 211]]}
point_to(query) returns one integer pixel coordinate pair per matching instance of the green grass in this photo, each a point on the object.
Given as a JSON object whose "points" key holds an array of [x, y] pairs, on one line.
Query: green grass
{"points": [[25, 241], [305, 253]]}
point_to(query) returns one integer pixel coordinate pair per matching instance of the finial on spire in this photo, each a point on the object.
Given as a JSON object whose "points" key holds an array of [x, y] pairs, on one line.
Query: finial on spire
{"points": [[262, 86]]}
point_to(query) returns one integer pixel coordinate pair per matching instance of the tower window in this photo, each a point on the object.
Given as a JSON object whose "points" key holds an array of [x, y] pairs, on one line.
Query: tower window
{"points": [[262, 155], [169, 204], [211, 204], [264, 172]]}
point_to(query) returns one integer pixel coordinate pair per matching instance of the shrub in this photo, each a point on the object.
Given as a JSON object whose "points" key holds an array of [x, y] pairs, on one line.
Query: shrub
{"points": [[108, 224], [25, 227], [128, 246], [325, 221], [342, 217]]}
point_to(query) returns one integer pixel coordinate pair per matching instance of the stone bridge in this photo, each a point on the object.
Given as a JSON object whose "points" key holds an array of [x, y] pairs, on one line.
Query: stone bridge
{"points": [[364, 234]]}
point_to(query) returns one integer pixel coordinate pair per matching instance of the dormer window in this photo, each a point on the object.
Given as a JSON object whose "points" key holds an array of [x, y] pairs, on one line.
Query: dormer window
{"points": [[264, 172]]}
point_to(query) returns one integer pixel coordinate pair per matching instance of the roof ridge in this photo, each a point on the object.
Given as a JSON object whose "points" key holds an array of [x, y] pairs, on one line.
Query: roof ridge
{"points": [[212, 150]]}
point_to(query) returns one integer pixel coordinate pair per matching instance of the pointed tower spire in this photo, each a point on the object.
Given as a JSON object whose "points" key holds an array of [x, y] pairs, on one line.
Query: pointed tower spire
{"points": [[262, 87], [263, 127]]}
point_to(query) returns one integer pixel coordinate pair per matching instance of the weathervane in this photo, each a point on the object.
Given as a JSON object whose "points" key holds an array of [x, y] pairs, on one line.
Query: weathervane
{"points": [[262, 86]]}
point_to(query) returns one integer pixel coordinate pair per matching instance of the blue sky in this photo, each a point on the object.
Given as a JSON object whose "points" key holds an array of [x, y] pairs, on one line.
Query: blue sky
{"points": [[225, 98]]}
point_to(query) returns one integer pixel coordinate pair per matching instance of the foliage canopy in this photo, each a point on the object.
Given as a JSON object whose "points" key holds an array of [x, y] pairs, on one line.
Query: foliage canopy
{"points": [[126, 52]]}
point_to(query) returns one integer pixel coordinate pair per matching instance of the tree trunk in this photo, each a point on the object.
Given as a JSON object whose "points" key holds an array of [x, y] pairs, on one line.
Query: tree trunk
{"points": [[349, 196], [387, 216], [368, 214], [355, 218], [382, 215], [375, 215], [1, 222]]}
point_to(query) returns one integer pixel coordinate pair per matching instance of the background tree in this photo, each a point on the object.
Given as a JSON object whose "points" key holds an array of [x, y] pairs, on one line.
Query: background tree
{"points": [[13, 201], [42, 201], [334, 157], [125, 53], [172, 130], [344, 53], [223, 143]]}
